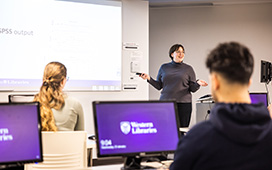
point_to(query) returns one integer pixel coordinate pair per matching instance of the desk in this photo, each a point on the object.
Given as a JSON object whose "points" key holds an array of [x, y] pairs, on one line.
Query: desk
{"points": [[184, 129], [112, 167], [107, 167], [91, 151], [91, 143]]}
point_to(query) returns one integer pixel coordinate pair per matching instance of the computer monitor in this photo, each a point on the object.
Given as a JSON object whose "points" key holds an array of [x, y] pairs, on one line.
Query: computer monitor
{"points": [[133, 129], [20, 134], [259, 98], [266, 71]]}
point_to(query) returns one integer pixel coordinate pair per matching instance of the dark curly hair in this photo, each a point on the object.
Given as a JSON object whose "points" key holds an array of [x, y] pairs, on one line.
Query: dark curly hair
{"points": [[233, 61]]}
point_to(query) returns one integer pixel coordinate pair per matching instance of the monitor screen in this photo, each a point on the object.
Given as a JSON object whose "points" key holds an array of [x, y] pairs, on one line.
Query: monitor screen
{"points": [[135, 127], [259, 97], [20, 133]]}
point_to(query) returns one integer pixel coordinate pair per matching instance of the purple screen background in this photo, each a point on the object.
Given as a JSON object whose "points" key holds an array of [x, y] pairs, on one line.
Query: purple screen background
{"points": [[258, 97], [161, 114], [22, 123]]}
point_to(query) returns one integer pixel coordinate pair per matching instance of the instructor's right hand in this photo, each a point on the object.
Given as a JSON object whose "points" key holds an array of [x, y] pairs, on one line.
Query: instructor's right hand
{"points": [[145, 76]]}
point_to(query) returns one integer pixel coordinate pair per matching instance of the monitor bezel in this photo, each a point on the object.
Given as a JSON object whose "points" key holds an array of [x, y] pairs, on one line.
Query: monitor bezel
{"points": [[254, 93], [142, 154], [266, 71], [21, 162]]}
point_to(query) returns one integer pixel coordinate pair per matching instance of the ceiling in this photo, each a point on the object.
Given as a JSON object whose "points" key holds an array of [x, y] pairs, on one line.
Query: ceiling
{"points": [[180, 3]]}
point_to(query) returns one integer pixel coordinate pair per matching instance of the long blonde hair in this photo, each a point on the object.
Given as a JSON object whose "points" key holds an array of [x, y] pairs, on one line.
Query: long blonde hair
{"points": [[50, 94]]}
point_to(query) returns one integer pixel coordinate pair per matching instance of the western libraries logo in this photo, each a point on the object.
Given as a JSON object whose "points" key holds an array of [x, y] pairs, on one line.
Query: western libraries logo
{"points": [[137, 128]]}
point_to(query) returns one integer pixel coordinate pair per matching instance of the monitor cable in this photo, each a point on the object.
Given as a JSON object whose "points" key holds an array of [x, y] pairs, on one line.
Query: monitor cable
{"points": [[268, 96]]}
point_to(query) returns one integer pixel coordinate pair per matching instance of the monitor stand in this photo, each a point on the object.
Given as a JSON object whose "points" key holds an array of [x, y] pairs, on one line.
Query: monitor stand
{"points": [[132, 163]]}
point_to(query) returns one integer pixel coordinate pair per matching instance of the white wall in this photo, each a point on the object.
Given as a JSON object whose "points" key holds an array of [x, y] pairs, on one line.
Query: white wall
{"points": [[200, 29], [135, 30]]}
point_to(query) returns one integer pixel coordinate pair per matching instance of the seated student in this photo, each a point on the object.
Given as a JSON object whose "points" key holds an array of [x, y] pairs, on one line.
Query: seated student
{"points": [[59, 112], [238, 134]]}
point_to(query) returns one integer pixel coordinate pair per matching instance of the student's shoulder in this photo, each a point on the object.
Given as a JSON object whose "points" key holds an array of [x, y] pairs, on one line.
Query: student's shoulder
{"points": [[71, 100], [201, 129], [199, 133]]}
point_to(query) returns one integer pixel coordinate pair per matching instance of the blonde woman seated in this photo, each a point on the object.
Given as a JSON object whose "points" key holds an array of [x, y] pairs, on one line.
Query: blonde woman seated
{"points": [[59, 112]]}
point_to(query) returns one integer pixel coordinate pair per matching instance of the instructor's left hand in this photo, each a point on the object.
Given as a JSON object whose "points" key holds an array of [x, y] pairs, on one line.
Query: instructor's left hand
{"points": [[202, 83]]}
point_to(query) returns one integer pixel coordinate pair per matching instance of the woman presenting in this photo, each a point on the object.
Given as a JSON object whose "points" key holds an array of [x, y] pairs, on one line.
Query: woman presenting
{"points": [[177, 80]]}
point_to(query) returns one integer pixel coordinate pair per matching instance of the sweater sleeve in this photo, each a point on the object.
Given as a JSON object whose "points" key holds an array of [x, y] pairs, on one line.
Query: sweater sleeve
{"points": [[193, 85], [157, 83], [80, 117]]}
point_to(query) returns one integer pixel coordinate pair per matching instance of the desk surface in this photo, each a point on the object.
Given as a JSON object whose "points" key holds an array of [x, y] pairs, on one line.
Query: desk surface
{"points": [[104, 167], [184, 129], [112, 167], [91, 143]]}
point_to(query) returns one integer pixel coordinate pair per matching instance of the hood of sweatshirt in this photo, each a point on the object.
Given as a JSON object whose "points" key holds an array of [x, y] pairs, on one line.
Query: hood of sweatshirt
{"points": [[241, 123]]}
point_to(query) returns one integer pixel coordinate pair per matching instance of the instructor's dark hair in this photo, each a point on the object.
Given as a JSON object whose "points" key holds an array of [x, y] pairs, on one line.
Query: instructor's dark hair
{"points": [[174, 48], [233, 61]]}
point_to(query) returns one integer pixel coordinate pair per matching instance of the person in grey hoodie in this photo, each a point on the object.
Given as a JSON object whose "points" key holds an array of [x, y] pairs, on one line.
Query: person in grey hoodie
{"points": [[238, 135]]}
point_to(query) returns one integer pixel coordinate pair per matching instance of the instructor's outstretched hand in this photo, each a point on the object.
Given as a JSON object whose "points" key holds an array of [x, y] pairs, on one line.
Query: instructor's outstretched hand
{"points": [[145, 76], [202, 83]]}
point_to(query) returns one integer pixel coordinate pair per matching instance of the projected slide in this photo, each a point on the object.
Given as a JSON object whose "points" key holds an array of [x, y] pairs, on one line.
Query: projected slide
{"points": [[85, 37]]}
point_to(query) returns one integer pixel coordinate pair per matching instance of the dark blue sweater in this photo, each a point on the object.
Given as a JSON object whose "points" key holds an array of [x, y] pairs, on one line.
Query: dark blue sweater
{"points": [[236, 137], [177, 81]]}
